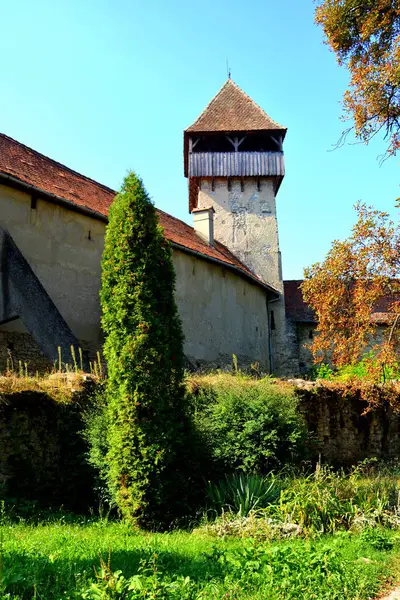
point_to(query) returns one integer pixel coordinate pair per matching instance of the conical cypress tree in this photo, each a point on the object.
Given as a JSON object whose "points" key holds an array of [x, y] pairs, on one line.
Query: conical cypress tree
{"points": [[144, 352]]}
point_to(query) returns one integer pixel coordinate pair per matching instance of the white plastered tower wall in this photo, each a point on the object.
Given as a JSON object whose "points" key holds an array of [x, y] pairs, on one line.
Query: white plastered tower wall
{"points": [[246, 222], [234, 162]]}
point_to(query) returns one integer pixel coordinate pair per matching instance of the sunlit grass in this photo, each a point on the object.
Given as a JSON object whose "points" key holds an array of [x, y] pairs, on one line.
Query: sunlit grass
{"points": [[60, 560]]}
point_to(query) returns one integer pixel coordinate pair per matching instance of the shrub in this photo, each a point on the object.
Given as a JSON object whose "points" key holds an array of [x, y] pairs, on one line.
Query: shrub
{"points": [[247, 424], [95, 433], [321, 371], [378, 538], [366, 369], [147, 424]]}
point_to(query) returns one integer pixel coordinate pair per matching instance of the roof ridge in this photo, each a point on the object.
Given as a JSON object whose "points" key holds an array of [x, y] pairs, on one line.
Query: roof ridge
{"points": [[292, 280], [255, 104], [246, 97], [27, 169], [58, 164], [212, 100], [159, 210]]}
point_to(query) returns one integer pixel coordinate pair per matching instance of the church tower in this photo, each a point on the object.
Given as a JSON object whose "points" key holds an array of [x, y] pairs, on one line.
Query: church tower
{"points": [[234, 163]]}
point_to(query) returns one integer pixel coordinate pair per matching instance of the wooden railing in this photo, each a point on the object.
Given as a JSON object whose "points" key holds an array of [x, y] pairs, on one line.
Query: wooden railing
{"points": [[236, 164]]}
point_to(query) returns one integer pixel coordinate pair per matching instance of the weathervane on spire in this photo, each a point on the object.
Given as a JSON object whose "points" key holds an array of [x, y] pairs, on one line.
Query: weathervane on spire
{"points": [[228, 68]]}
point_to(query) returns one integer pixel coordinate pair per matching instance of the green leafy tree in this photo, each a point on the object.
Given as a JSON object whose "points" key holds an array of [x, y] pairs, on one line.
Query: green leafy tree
{"points": [[147, 424]]}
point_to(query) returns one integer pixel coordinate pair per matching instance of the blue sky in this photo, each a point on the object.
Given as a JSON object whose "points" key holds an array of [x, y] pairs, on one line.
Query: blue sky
{"points": [[105, 86]]}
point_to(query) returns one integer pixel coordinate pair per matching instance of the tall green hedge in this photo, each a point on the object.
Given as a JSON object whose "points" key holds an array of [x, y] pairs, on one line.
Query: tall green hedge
{"points": [[147, 423]]}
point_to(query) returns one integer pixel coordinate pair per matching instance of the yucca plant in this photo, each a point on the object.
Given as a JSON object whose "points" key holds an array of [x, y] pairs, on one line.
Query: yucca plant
{"points": [[242, 493]]}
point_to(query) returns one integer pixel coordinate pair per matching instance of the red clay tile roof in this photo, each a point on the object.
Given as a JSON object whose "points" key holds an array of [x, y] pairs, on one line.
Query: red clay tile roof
{"points": [[383, 312], [47, 175], [233, 110], [296, 308], [300, 312], [22, 165]]}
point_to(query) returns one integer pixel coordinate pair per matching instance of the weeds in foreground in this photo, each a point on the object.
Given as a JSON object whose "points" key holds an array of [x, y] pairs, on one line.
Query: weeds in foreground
{"points": [[73, 365], [63, 561], [324, 501]]}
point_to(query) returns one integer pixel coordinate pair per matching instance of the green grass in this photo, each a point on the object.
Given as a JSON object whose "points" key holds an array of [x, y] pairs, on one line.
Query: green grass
{"points": [[54, 561]]}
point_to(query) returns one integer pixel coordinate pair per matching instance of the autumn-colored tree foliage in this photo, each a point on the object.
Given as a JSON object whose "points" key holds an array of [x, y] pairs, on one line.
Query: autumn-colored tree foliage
{"points": [[346, 287], [365, 35], [147, 436]]}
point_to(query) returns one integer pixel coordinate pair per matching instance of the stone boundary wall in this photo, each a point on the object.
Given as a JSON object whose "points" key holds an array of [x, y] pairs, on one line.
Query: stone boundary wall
{"points": [[346, 429], [42, 452]]}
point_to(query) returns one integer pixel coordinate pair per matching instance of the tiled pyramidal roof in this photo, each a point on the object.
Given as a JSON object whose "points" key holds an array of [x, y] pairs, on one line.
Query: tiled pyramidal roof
{"points": [[20, 165], [233, 110]]}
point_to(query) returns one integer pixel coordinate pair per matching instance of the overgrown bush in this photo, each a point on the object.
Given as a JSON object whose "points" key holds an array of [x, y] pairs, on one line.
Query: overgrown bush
{"points": [[248, 425], [328, 500], [95, 433], [320, 502], [149, 474], [368, 369]]}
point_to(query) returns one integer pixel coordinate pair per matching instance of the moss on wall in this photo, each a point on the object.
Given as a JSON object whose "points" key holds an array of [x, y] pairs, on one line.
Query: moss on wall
{"points": [[347, 427], [42, 454]]}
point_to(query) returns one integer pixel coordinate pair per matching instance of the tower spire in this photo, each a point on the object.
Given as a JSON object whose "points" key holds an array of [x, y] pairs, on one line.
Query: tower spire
{"points": [[228, 70]]}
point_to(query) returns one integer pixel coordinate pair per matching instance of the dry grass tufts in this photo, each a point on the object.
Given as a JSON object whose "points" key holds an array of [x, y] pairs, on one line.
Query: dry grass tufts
{"points": [[236, 382], [61, 387]]}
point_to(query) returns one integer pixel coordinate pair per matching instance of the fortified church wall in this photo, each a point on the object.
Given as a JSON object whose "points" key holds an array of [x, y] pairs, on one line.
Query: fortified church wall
{"points": [[229, 291], [222, 314]]}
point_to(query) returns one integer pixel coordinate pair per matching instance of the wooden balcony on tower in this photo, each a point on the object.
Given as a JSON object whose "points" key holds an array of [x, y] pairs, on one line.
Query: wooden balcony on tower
{"points": [[236, 164]]}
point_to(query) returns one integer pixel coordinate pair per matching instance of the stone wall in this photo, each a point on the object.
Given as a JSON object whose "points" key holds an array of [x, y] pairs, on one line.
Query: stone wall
{"points": [[222, 313], [345, 432], [19, 351], [42, 451]]}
